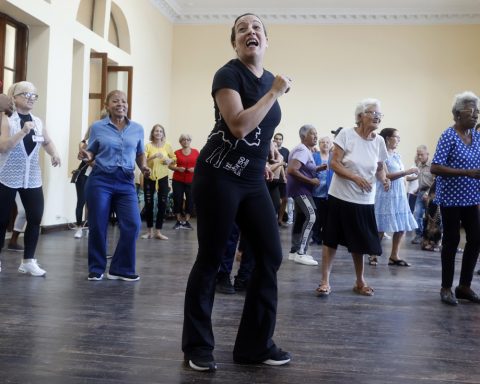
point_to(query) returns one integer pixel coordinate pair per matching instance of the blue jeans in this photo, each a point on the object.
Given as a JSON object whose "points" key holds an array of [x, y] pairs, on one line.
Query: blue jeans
{"points": [[108, 192], [419, 212]]}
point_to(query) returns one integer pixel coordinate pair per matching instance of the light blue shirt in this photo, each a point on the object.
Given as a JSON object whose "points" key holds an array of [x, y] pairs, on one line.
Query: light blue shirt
{"points": [[322, 189], [114, 148]]}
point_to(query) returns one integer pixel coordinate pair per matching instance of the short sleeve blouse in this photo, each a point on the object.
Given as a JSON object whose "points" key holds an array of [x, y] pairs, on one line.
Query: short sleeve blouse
{"points": [[454, 153]]}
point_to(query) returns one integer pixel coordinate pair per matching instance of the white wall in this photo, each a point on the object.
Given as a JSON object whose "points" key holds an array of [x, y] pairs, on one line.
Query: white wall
{"points": [[414, 70]]}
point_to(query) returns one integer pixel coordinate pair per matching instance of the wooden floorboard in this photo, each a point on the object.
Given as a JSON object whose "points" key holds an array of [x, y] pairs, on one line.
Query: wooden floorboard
{"points": [[65, 329]]}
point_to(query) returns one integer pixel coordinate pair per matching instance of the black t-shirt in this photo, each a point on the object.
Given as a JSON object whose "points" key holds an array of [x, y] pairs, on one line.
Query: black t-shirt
{"points": [[28, 139], [245, 158], [285, 153]]}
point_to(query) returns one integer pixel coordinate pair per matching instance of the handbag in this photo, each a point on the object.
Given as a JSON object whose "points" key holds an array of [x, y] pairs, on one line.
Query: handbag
{"points": [[77, 172]]}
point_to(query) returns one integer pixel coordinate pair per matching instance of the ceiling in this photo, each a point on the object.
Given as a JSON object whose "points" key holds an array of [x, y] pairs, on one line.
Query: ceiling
{"points": [[324, 11]]}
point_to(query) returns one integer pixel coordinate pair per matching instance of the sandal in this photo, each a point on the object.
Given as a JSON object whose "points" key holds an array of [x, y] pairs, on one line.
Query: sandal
{"points": [[364, 291], [147, 235], [398, 263], [160, 236], [323, 290], [372, 260]]}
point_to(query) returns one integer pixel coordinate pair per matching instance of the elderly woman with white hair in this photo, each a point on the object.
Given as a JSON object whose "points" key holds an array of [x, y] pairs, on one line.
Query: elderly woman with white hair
{"points": [[358, 160], [21, 138], [183, 168], [301, 180], [457, 165]]}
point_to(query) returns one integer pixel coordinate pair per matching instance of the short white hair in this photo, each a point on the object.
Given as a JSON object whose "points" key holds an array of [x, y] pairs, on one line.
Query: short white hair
{"points": [[184, 136], [20, 87], [462, 99], [364, 104], [304, 129]]}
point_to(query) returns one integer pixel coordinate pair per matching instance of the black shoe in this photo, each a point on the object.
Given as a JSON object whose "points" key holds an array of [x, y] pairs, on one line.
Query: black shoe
{"points": [[115, 276], [92, 276], [478, 272], [187, 225], [224, 285], [447, 296], [278, 357], [201, 364], [177, 225], [240, 285], [466, 293]]}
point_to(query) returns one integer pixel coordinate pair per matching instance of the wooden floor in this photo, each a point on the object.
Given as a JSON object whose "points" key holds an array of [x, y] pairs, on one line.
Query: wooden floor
{"points": [[65, 329]]}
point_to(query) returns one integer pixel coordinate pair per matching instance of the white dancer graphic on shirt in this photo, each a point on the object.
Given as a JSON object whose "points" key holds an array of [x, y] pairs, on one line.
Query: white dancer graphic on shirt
{"points": [[220, 153]]}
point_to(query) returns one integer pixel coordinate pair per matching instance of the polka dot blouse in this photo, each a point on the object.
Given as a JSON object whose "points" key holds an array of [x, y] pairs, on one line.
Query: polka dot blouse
{"points": [[454, 153]]}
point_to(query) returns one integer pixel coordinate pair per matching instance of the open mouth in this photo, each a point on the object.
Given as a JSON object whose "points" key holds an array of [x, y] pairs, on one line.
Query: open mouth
{"points": [[252, 42]]}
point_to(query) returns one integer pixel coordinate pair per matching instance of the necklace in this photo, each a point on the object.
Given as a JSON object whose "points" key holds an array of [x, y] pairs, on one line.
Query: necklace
{"points": [[466, 133]]}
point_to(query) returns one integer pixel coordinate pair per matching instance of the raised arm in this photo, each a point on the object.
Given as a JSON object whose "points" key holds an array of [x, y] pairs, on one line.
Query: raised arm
{"points": [[242, 121], [7, 142]]}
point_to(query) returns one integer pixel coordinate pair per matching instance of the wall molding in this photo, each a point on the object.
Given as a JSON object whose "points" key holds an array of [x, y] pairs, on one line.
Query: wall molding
{"points": [[170, 9]]}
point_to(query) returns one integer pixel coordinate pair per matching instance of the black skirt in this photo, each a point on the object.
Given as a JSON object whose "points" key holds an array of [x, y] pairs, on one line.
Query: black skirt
{"points": [[353, 226]]}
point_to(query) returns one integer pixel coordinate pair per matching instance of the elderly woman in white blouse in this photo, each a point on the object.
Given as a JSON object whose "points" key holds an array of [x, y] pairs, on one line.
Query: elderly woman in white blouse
{"points": [[358, 161], [22, 135]]}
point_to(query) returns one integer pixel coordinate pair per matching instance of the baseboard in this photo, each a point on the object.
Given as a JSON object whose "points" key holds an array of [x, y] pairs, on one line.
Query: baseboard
{"points": [[55, 228]]}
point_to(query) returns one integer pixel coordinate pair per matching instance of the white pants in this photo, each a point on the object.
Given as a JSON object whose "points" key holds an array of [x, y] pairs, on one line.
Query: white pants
{"points": [[21, 219]]}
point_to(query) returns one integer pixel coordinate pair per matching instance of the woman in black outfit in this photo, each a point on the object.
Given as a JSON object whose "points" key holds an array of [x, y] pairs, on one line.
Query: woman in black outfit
{"points": [[80, 188], [229, 185]]}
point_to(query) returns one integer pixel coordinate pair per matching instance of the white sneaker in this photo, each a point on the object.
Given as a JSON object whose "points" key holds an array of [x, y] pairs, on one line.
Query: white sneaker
{"points": [[78, 233], [31, 267], [305, 260], [291, 255]]}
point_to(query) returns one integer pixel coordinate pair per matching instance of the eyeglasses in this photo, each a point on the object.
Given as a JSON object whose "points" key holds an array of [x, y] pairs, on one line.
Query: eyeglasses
{"points": [[471, 111], [375, 114], [185, 138], [28, 95]]}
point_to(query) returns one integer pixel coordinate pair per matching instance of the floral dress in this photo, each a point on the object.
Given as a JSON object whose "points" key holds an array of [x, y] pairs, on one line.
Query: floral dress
{"points": [[392, 211]]}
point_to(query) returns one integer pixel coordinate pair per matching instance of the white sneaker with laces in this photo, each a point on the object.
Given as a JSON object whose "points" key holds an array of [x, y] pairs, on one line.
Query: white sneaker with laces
{"points": [[30, 266], [78, 233], [305, 260]]}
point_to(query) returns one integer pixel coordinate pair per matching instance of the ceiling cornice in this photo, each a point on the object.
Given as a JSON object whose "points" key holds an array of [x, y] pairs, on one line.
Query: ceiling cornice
{"points": [[312, 16]]}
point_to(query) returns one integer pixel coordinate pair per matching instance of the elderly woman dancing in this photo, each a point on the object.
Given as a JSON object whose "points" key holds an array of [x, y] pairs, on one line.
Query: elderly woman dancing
{"points": [[358, 158], [21, 138], [457, 165]]}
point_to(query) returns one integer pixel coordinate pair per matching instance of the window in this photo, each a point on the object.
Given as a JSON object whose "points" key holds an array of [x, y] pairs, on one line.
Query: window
{"points": [[13, 52]]}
